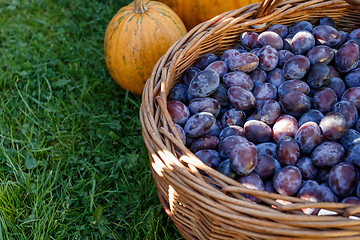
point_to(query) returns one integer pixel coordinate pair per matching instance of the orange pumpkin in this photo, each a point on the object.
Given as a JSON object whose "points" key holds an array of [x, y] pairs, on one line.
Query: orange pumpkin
{"points": [[193, 12], [135, 39]]}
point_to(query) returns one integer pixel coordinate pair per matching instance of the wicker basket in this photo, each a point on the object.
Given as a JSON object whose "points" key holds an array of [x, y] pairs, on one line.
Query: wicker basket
{"points": [[212, 207]]}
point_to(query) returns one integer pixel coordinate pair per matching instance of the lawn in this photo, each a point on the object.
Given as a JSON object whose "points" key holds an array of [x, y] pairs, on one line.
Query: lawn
{"points": [[72, 160]]}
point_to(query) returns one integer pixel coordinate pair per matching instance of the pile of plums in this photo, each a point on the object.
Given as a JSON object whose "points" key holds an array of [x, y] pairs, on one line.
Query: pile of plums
{"points": [[279, 111]]}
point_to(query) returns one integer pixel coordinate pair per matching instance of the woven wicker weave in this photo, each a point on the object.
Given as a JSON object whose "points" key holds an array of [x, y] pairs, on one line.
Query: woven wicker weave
{"points": [[213, 208]]}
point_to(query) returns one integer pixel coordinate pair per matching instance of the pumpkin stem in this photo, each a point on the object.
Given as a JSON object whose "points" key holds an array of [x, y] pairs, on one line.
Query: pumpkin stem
{"points": [[140, 6]]}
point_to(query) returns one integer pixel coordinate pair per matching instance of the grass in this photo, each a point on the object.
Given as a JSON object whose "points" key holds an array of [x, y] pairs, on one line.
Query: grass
{"points": [[72, 160]]}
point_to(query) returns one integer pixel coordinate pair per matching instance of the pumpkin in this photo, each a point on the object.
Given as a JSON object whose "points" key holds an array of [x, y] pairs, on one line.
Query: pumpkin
{"points": [[193, 12], [135, 39]]}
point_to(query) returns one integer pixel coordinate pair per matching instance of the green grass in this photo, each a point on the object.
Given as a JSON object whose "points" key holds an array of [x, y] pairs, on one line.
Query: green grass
{"points": [[72, 160]]}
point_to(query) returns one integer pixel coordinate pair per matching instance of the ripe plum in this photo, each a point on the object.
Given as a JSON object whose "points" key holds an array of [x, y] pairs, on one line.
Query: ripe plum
{"points": [[328, 154], [302, 42], [296, 67], [241, 98], [312, 115], [181, 132], [348, 110], [327, 21], [205, 104], [178, 92], [221, 95], [293, 85], [258, 76], [204, 83], [357, 124], [352, 79], [307, 168], [252, 181], [265, 91], [343, 179], [310, 191], [350, 138], [284, 55], [271, 38], [205, 142], [243, 158], [178, 111], [238, 78], [287, 181], [231, 131], [219, 67], [352, 95], [269, 111], [295, 103], [189, 74], [308, 136], [354, 155], [245, 62], [319, 75], [299, 26], [333, 125], [326, 35], [276, 77], [320, 54], [205, 60], [268, 57], [268, 148], [229, 54], [327, 195], [287, 151], [225, 168], [280, 29], [351, 200], [233, 117], [347, 57], [354, 33], [285, 125], [324, 99], [200, 124], [209, 157], [267, 166], [228, 144], [250, 39], [257, 131], [338, 85]]}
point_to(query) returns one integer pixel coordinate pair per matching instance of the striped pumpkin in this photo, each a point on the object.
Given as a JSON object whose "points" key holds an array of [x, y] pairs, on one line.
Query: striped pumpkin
{"points": [[135, 39]]}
